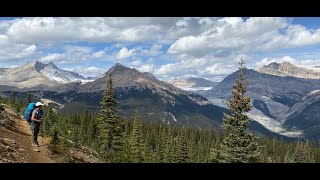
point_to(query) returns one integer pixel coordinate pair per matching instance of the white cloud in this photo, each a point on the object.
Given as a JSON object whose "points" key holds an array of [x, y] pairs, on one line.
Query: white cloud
{"points": [[98, 54], [220, 69], [136, 62], [14, 51], [72, 54], [53, 57], [267, 61], [153, 51], [310, 63], [202, 46], [87, 71], [147, 68], [165, 69], [231, 20], [93, 29], [125, 53], [254, 34]]}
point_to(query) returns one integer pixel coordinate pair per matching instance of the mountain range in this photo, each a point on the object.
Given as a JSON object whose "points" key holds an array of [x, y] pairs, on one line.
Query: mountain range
{"points": [[38, 74], [288, 69], [156, 100], [283, 105]]}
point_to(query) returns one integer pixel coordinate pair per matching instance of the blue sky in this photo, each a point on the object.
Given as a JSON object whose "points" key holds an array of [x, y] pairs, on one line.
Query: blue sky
{"points": [[169, 48]]}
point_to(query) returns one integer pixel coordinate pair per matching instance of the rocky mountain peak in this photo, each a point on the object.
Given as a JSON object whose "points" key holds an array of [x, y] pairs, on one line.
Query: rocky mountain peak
{"points": [[52, 65], [117, 68], [288, 69], [39, 66]]}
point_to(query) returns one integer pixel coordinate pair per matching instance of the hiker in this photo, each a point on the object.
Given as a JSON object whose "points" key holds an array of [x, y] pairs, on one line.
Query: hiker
{"points": [[36, 121]]}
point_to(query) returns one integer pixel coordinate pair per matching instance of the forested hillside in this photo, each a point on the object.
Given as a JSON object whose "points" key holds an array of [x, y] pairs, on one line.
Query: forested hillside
{"points": [[117, 139]]}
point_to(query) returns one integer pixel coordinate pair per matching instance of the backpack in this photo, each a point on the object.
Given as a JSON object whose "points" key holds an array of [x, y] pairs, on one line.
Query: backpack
{"points": [[28, 112]]}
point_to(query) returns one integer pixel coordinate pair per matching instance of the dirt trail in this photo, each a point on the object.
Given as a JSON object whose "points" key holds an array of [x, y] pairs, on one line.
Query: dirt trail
{"points": [[37, 157], [16, 142]]}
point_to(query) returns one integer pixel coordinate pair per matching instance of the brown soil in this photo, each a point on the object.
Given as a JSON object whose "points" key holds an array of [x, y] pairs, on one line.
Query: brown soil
{"points": [[16, 141]]}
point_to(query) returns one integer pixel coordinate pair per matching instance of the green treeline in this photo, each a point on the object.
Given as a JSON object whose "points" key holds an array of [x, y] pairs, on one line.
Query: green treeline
{"points": [[131, 140]]}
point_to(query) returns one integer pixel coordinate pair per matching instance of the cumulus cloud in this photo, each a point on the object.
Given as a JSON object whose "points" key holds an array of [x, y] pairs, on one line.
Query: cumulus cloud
{"points": [[147, 68], [136, 62], [14, 51], [93, 29], [220, 69], [153, 51], [125, 53], [73, 54], [91, 71], [176, 46], [53, 57], [208, 66], [98, 54], [310, 63], [254, 34], [166, 69], [267, 61], [233, 33]]}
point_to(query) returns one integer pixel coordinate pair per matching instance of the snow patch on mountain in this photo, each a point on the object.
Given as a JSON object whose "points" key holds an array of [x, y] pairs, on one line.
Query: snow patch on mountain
{"points": [[272, 124], [49, 101], [218, 102], [55, 75], [193, 84], [313, 92], [173, 117], [194, 88]]}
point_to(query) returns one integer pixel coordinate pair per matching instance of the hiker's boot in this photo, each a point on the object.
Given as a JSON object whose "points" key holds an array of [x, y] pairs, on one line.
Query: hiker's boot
{"points": [[35, 144]]}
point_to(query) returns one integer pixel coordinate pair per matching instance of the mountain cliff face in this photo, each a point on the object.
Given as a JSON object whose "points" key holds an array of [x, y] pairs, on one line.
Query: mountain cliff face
{"points": [[37, 74], [288, 69], [272, 97], [127, 78], [305, 115], [155, 99], [287, 90]]}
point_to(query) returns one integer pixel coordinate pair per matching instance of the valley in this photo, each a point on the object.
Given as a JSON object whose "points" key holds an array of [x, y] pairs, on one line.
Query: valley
{"points": [[277, 108]]}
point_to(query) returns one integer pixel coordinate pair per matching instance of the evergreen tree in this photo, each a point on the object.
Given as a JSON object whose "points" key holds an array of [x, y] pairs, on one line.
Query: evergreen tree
{"points": [[214, 155], [84, 121], [168, 148], [302, 153], [28, 98], [239, 145], [1, 103], [92, 133], [55, 141], [109, 127], [135, 142], [183, 156], [1, 99], [50, 119]]}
